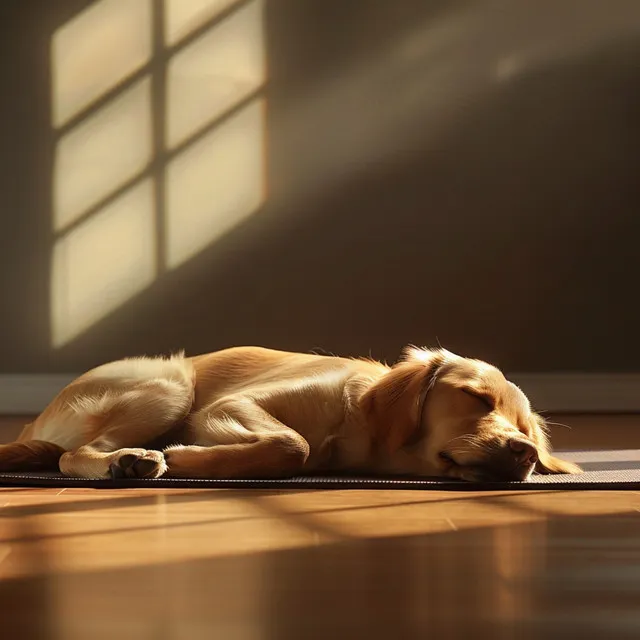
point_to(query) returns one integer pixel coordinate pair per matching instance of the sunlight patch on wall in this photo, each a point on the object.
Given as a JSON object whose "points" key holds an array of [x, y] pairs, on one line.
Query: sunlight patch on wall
{"points": [[182, 17], [101, 154], [215, 73], [215, 184], [144, 179], [96, 51], [104, 262]]}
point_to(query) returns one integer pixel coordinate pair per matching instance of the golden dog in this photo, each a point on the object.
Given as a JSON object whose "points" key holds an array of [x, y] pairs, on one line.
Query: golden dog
{"points": [[249, 412]]}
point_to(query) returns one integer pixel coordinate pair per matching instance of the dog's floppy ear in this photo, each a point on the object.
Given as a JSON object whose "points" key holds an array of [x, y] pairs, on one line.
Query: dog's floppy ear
{"points": [[547, 462], [393, 405]]}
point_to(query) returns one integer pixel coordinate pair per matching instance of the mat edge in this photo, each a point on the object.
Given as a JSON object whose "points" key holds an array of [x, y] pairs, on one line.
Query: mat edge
{"points": [[312, 483]]}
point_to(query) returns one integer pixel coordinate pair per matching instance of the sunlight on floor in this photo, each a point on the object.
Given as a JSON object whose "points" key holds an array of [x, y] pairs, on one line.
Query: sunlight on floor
{"points": [[70, 530], [126, 176]]}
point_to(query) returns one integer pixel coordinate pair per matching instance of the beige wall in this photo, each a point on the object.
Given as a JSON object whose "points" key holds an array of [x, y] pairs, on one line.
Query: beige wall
{"points": [[461, 171]]}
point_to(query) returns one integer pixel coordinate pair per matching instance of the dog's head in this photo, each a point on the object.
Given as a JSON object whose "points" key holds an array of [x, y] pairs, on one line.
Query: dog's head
{"points": [[462, 418]]}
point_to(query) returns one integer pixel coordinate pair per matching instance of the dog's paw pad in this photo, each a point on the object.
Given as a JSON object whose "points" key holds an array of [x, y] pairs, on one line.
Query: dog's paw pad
{"points": [[147, 464]]}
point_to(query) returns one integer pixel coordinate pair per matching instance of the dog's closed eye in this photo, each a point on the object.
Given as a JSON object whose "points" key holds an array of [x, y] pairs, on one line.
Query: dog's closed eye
{"points": [[484, 398], [447, 457]]}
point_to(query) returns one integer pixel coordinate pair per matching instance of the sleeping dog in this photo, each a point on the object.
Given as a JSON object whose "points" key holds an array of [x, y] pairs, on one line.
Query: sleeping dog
{"points": [[249, 412]]}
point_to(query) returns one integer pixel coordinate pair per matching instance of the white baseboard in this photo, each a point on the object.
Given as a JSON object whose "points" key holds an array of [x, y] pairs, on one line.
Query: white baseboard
{"points": [[26, 394]]}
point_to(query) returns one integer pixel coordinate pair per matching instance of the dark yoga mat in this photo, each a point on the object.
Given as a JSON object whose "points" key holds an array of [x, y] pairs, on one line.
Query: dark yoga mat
{"points": [[602, 470]]}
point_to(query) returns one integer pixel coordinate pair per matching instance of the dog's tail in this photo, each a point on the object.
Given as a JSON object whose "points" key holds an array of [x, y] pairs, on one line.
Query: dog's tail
{"points": [[33, 455]]}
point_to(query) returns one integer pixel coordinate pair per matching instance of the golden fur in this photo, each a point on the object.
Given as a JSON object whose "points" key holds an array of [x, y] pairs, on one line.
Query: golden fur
{"points": [[256, 413]]}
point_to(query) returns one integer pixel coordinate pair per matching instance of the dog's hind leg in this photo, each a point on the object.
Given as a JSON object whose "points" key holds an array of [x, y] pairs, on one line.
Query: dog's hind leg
{"points": [[123, 423]]}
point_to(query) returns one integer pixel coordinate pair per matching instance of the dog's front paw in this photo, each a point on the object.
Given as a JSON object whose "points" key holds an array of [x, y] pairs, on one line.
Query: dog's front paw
{"points": [[178, 458], [138, 463], [189, 462]]}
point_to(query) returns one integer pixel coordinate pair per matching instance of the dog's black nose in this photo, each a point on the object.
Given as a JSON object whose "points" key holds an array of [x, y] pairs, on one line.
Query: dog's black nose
{"points": [[524, 452]]}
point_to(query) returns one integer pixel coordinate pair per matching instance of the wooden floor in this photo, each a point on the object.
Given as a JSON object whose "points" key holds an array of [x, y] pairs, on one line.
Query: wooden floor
{"points": [[83, 564]]}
